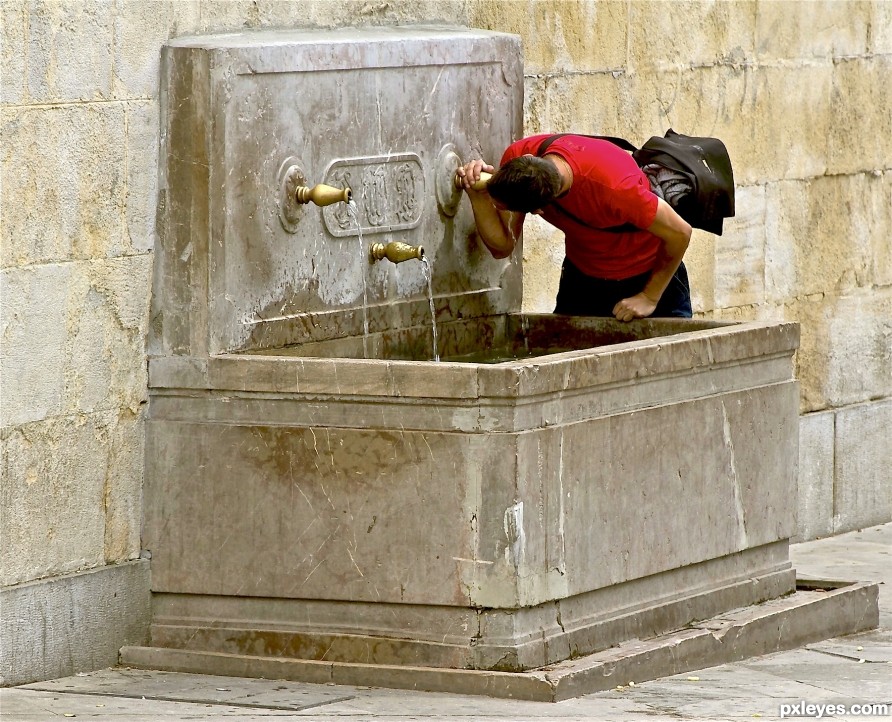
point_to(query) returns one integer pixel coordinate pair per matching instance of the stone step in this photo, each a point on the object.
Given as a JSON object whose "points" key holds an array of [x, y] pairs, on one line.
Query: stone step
{"points": [[818, 610]]}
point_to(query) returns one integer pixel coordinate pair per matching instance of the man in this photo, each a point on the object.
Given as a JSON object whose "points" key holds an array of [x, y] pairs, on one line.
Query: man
{"points": [[624, 245]]}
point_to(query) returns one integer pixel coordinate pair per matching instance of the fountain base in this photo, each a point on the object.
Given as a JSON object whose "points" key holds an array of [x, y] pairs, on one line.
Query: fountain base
{"points": [[814, 612]]}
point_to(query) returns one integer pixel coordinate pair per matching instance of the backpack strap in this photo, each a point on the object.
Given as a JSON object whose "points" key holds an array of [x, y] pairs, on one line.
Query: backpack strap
{"points": [[622, 143]]}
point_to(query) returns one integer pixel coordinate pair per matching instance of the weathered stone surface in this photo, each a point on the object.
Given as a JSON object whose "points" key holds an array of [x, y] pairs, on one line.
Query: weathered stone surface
{"points": [[766, 96], [700, 262], [13, 49], [867, 115], [599, 104], [70, 495], [543, 250], [51, 619], [824, 235], [788, 30], [69, 52], [85, 356], [845, 354], [142, 176], [816, 473], [140, 29], [740, 252], [702, 35], [247, 14], [862, 490], [880, 29], [64, 167], [577, 37]]}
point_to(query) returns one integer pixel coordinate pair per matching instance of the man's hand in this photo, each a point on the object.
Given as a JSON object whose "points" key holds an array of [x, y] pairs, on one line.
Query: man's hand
{"points": [[470, 174], [638, 306]]}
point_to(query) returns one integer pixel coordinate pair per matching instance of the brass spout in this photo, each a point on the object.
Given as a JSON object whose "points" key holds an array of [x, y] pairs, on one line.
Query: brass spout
{"points": [[479, 185], [396, 252], [322, 195]]}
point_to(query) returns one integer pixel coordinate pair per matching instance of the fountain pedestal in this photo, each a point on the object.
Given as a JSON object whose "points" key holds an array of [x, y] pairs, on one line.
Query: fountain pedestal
{"points": [[319, 515]]}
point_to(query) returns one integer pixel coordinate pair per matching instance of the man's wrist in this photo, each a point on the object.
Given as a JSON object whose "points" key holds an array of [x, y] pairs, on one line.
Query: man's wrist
{"points": [[650, 298]]}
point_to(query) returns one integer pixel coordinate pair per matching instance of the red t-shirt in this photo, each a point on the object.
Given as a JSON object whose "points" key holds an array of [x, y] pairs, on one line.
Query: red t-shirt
{"points": [[608, 189]]}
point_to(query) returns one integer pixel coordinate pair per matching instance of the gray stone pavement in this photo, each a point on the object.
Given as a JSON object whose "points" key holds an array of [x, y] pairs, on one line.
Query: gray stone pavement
{"points": [[846, 671]]}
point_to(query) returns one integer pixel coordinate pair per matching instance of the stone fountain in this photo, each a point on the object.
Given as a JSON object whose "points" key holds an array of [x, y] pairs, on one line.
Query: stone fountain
{"points": [[559, 505]]}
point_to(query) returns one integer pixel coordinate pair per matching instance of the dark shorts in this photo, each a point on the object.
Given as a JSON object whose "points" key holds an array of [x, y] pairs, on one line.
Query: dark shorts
{"points": [[582, 295]]}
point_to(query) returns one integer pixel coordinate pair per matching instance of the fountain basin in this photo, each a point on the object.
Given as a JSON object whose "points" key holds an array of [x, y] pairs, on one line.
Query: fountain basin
{"points": [[487, 516]]}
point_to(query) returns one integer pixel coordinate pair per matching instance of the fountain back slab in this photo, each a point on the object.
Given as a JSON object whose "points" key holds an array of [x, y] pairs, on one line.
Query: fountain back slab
{"points": [[328, 504]]}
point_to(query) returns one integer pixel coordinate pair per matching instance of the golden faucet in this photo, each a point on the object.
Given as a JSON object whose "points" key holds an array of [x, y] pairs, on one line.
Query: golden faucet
{"points": [[395, 251], [322, 195], [479, 185]]}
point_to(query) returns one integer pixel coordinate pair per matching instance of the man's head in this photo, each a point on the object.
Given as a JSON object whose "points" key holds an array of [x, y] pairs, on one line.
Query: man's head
{"points": [[525, 184]]}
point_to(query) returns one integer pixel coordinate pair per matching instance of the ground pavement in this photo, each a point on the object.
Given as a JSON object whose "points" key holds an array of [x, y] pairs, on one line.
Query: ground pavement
{"points": [[853, 674]]}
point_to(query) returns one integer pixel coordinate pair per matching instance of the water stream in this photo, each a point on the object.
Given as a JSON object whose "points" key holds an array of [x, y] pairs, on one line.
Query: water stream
{"points": [[428, 275], [353, 212]]}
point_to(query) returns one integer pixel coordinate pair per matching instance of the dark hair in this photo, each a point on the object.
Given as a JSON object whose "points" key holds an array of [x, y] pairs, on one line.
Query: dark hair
{"points": [[525, 184]]}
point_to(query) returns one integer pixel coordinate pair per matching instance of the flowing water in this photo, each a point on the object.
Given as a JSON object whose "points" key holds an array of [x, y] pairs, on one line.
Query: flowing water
{"points": [[428, 274], [363, 262]]}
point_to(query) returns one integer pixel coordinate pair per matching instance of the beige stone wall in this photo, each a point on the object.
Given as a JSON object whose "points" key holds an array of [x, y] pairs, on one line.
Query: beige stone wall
{"points": [[797, 90]]}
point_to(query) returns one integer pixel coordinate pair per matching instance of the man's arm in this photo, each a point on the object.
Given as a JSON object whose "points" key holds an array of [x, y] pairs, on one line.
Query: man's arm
{"points": [[499, 230], [675, 232]]}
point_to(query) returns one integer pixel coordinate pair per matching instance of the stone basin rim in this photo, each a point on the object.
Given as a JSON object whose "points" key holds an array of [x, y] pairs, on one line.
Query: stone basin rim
{"points": [[721, 330]]}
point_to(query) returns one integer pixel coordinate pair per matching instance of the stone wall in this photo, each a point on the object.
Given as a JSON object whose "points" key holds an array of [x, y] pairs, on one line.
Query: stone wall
{"points": [[797, 91]]}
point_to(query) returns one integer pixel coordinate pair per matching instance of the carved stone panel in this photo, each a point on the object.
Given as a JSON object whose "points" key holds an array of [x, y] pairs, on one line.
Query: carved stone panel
{"points": [[388, 190]]}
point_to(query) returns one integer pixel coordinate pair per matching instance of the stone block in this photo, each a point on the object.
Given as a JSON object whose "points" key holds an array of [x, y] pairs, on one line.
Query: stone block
{"points": [[69, 53], [31, 365], [140, 29], [862, 492], [75, 338], [543, 254], [740, 252], [821, 29], [700, 261], [860, 351], [535, 107], [696, 33], [576, 37], [779, 119], [880, 41], [246, 14], [784, 218], [816, 466], [827, 235], [73, 624], [13, 49], [142, 175], [860, 110], [845, 354], [125, 448], [55, 476], [598, 104], [64, 184]]}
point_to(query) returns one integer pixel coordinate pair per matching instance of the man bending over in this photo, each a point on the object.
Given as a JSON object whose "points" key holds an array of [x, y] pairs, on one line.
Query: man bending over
{"points": [[623, 244]]}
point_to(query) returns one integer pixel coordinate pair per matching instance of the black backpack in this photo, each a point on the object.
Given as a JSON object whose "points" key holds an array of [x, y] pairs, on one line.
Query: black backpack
{"points": [[704, 162]]}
